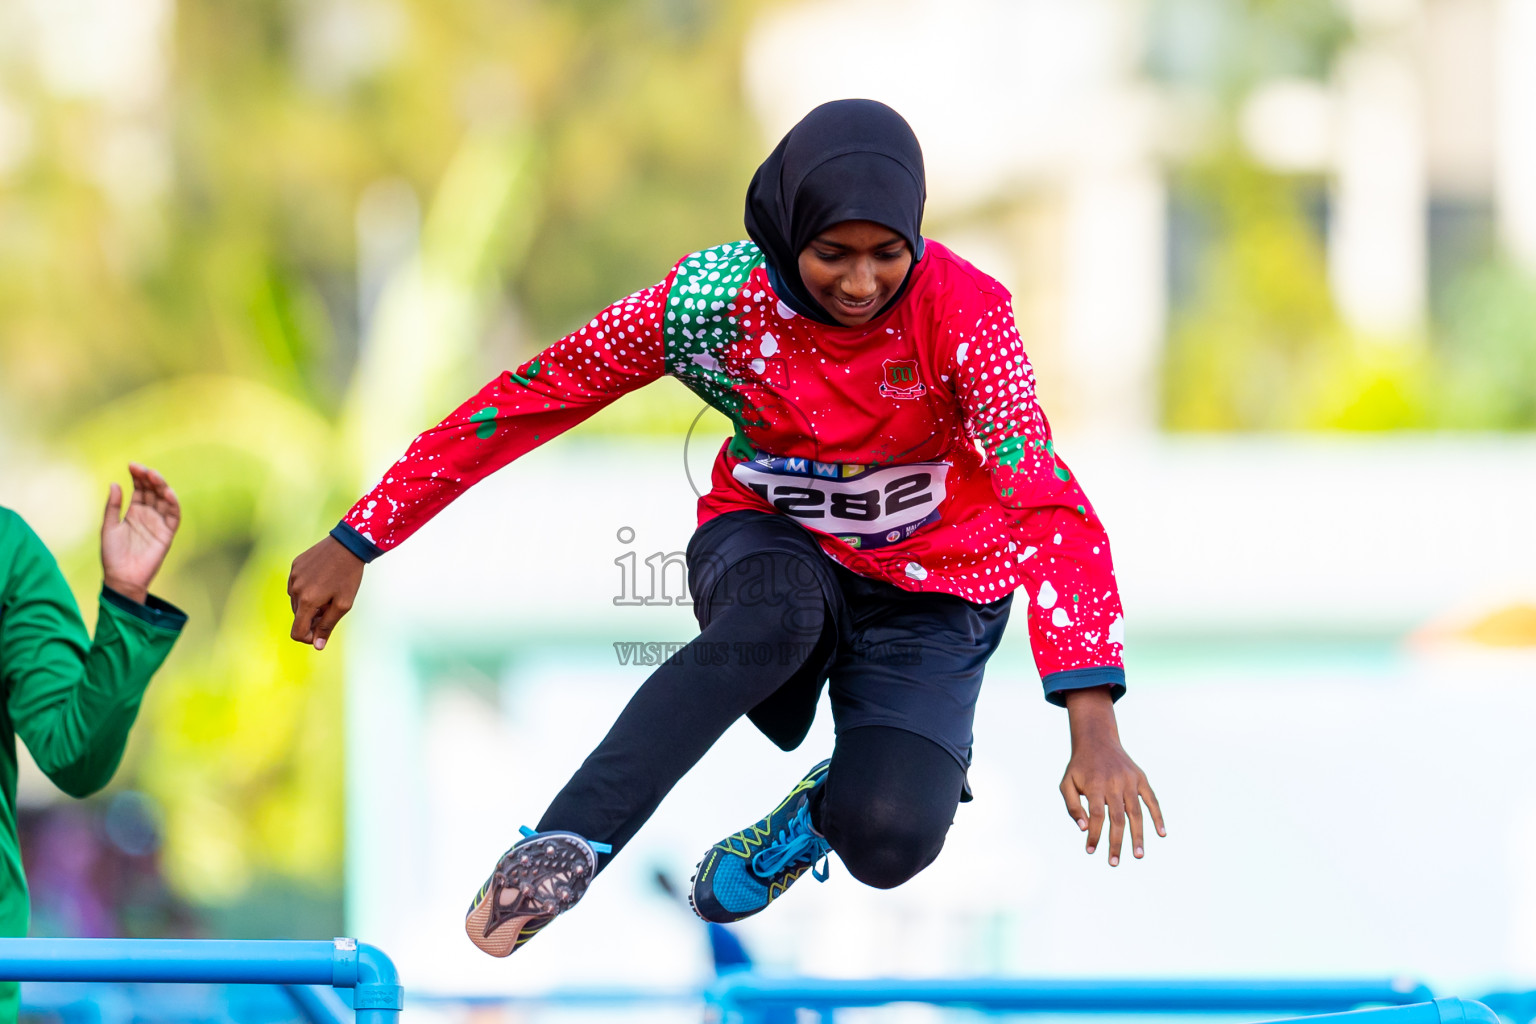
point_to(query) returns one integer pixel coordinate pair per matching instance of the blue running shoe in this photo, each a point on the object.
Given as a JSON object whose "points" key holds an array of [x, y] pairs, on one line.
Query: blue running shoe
{"points": [[742, 874], [540, 878]]}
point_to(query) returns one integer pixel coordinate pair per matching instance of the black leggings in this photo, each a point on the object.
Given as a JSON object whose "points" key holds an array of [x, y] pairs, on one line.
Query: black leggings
{"points": [[890, 795]]}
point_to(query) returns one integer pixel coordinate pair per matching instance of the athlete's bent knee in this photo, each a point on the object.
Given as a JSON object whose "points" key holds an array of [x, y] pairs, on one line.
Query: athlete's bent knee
{"points": [[884, 850], [885, 865]]}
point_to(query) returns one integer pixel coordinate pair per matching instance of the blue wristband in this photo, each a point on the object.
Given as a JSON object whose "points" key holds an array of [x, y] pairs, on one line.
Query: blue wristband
{"points": [[355, 542], [1058, 683]]}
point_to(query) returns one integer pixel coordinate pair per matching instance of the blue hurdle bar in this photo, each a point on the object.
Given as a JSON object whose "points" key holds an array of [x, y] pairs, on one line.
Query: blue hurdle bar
{"points": [[1437, 1011], [740, 997], [341, 963]]}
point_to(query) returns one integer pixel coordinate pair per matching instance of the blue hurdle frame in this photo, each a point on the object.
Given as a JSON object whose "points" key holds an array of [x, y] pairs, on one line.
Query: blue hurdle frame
{"points": [[746, 997], [1436, 1011], [304, 968], [377, 996]]}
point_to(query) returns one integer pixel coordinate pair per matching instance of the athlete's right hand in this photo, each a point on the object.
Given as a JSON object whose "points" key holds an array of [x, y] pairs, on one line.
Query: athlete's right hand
{"points": [[321, 587]]}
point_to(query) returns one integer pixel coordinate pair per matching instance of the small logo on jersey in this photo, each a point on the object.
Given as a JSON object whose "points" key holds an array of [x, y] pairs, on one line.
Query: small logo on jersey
{"points": [[901, 380]]}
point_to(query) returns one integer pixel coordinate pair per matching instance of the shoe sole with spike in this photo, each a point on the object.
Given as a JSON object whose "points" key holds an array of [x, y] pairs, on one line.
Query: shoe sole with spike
{"points": [[534, 882]]}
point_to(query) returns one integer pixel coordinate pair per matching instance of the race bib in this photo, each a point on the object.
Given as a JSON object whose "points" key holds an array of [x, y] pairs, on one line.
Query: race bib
{"points": [[863, 506]]}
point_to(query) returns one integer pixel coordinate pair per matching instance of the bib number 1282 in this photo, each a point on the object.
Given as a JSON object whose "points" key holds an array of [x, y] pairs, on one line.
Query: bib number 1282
{"points": [[866, 506], [874, 501]]}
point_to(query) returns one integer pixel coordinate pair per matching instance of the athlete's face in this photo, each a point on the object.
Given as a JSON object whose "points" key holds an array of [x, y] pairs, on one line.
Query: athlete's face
{"points": [[854, 268]]}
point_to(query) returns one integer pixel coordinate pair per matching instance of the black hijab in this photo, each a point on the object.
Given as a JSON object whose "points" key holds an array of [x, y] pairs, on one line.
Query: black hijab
{"points": [[845, 160]]}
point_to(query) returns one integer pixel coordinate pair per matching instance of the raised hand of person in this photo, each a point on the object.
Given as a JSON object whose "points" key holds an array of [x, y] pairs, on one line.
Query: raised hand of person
{"points": [[134, 542]]}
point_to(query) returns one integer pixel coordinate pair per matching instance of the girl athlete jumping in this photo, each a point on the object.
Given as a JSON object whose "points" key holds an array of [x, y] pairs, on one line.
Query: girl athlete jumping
{"points": [[890, 483]]}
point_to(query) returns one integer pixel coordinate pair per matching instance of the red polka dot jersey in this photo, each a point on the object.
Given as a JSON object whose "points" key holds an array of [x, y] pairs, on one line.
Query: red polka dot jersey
{"points": [[911, 446]]}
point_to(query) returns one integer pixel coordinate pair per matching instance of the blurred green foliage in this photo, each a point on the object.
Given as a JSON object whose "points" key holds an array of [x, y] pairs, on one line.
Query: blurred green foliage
{"points": [[1222, 48], [1259, 327], [180, 284], [1258, 345], [1486, 349], [1255, 342]]}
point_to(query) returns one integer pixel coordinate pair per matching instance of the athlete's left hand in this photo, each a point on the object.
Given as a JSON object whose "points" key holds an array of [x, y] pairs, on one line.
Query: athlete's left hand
{"points": [[1102, 772]]}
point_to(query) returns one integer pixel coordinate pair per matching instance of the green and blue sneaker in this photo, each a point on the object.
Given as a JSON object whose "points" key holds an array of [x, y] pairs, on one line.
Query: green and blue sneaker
{"points": [[539, 879], [743, 873]]}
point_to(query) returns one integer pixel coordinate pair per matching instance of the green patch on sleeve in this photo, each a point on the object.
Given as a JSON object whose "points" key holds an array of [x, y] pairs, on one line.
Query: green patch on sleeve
{"points": [[1010, 452], [533, 371], [487, 419]]}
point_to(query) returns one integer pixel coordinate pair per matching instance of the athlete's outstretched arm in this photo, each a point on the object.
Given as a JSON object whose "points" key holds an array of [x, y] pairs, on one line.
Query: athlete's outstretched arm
{"points": [[1062, 552], [618, 351]]}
